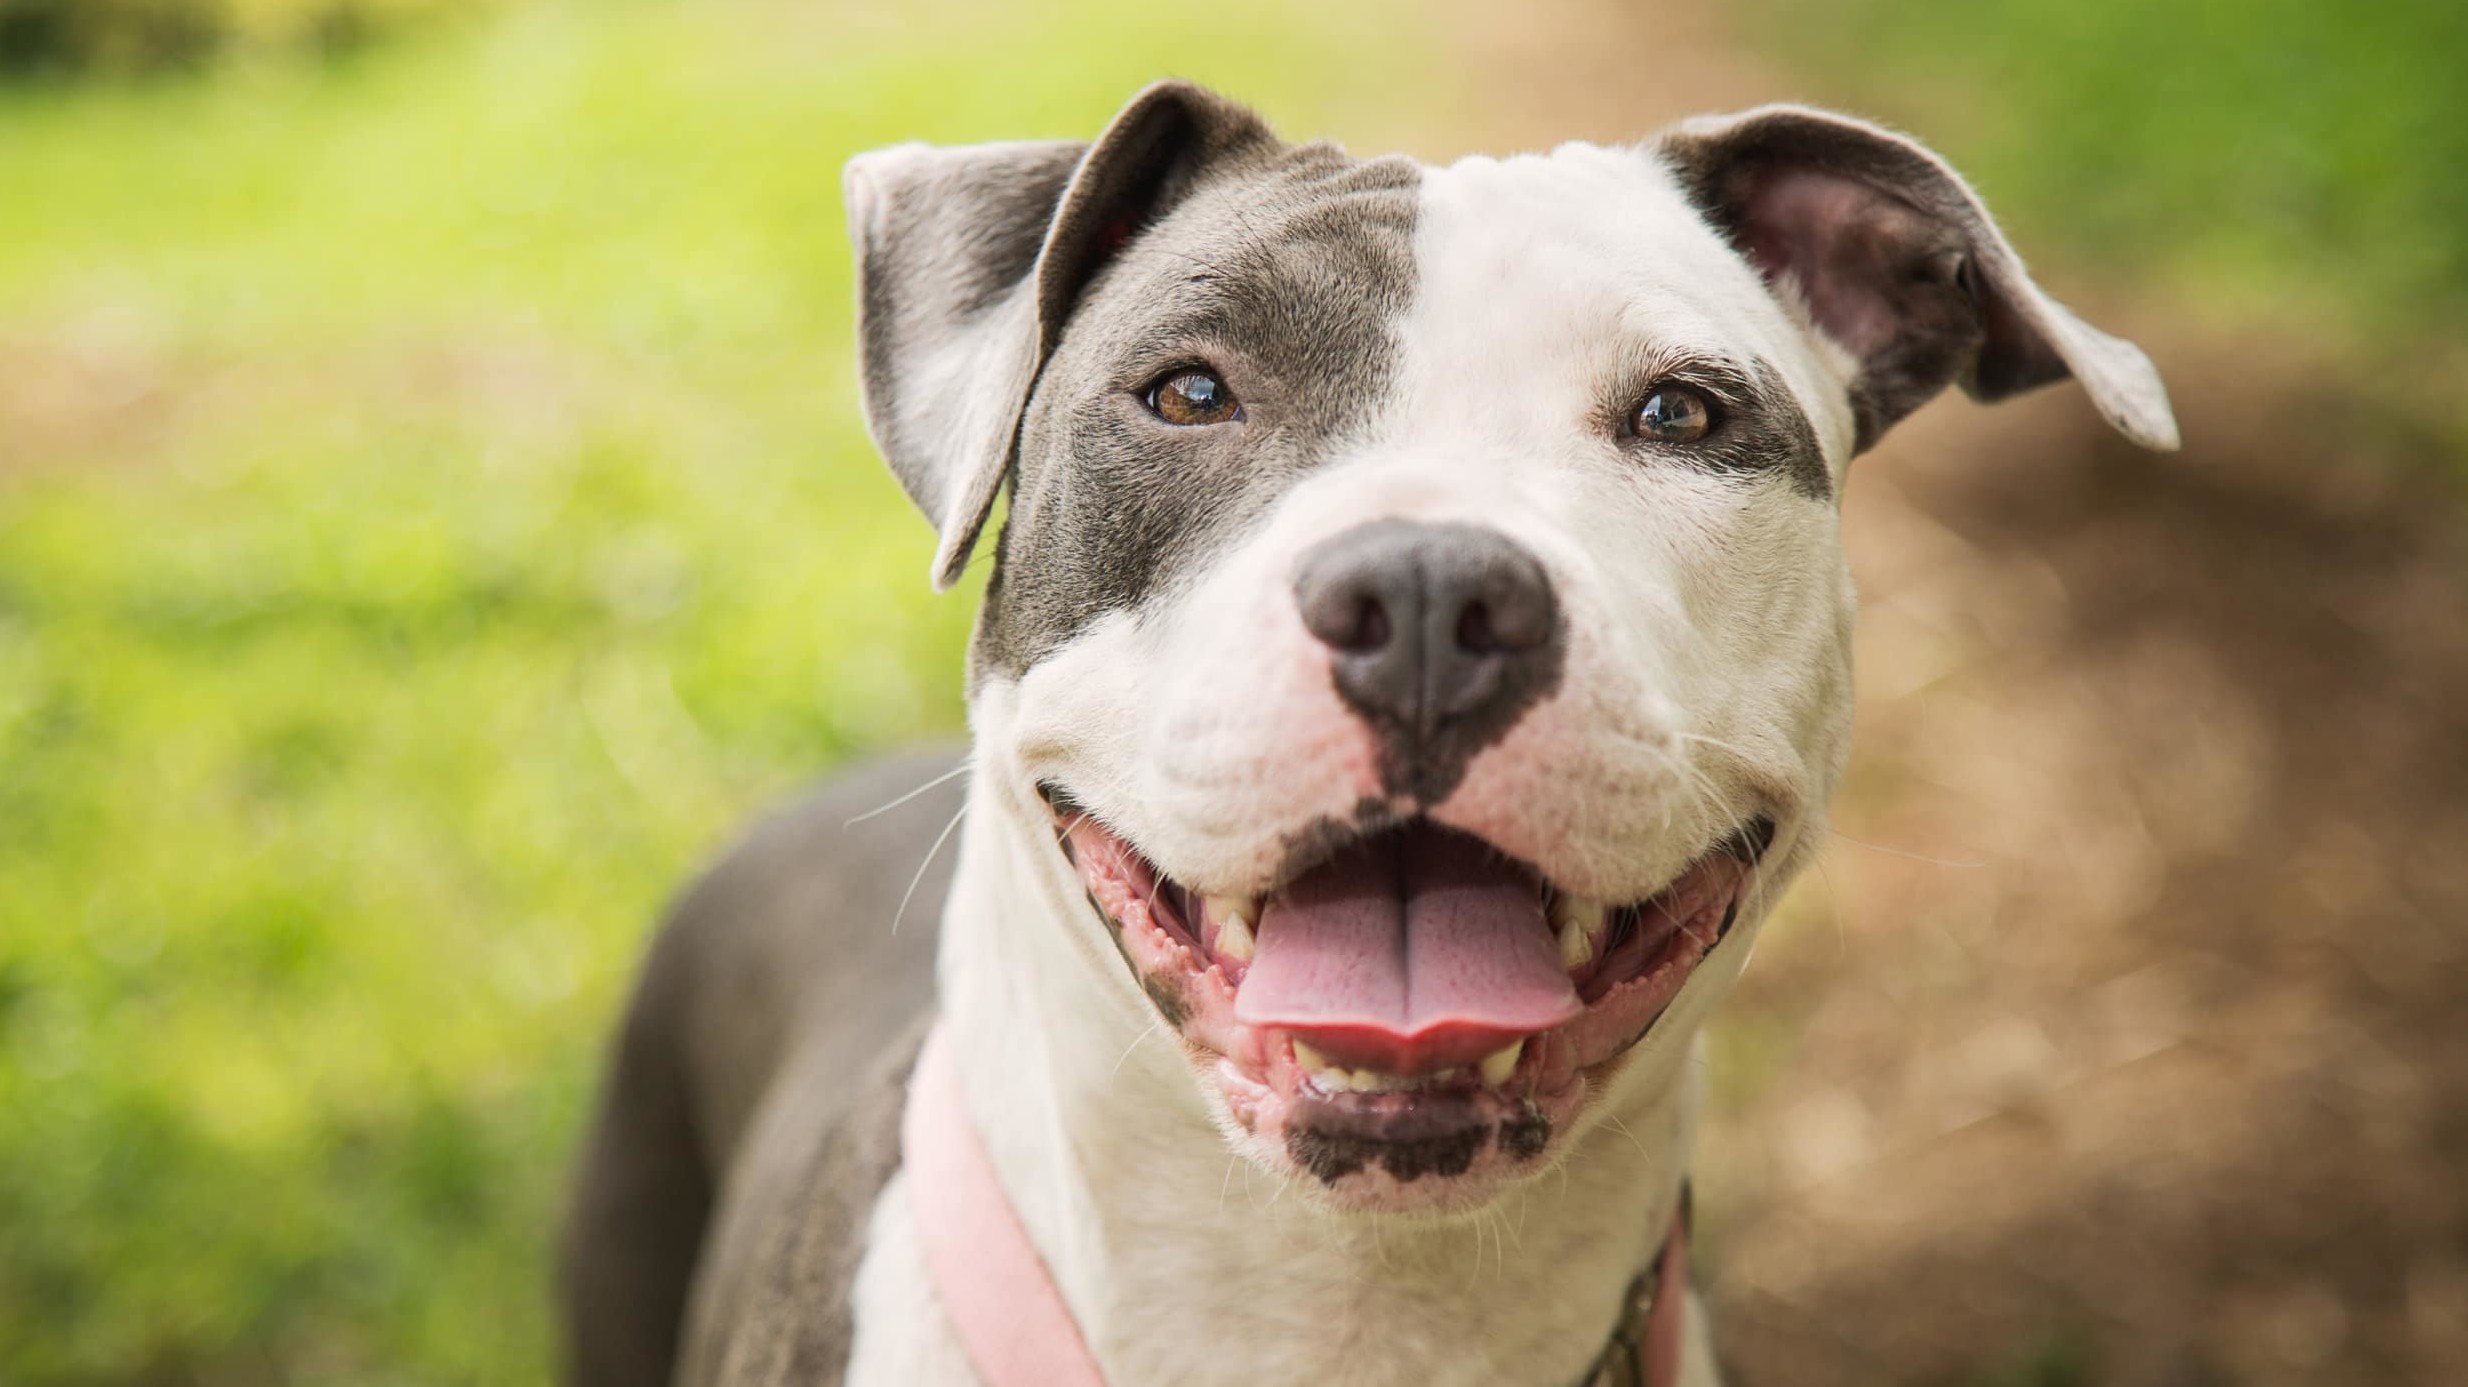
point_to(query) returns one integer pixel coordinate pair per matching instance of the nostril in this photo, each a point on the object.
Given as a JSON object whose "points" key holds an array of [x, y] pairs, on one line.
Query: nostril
{"points": [[1371, 630], [1346, 612], [1509, 612], [1474, 633]]}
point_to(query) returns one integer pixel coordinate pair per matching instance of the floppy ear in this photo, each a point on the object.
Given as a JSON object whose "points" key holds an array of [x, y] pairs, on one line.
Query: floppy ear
{"points": [[970, 259], [1897, 261]]}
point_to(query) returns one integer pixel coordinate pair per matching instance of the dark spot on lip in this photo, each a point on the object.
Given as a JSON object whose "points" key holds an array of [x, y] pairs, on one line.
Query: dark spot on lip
{"points": [[1331, 1155], [1169, 1002], [1524, 1136], [1432, 1137], [1316, 842], [1443, 1156]]}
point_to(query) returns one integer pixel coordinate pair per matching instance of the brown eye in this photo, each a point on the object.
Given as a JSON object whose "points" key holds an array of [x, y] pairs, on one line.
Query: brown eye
{"points": [[1673, 414], [1193, 396]]}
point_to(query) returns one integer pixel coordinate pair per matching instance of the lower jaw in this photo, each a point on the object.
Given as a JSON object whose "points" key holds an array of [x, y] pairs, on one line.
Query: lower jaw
{"points": [[1410, 1150], [1449, 1142]]}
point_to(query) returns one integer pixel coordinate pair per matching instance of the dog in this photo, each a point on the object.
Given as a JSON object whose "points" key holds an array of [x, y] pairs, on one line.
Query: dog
{"points": [[1415, 656]]}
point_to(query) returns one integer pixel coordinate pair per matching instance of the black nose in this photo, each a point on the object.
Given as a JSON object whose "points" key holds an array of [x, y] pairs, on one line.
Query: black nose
{"points": [[1439, 636]]}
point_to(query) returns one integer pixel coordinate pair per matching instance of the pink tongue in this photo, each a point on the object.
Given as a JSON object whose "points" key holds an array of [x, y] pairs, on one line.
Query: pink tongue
{"points": [[1415, 951]]}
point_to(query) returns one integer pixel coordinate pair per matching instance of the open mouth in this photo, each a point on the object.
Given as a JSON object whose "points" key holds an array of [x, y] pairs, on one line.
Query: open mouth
{"points": [[1416, 1002]]}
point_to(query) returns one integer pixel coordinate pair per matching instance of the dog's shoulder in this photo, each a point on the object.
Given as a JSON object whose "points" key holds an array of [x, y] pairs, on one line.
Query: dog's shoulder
{"points": [[751, 1111], [775, 1307], [811, 942]]}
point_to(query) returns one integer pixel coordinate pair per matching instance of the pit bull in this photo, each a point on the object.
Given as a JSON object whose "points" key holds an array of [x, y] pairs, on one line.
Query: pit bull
{"points": [[1414, 657]]}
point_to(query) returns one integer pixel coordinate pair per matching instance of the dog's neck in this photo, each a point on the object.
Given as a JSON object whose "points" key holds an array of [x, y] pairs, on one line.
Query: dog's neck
{"points": [[1183, 1263]]}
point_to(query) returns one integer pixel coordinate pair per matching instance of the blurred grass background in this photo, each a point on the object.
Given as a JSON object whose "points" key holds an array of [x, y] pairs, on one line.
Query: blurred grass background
{"points": [[433, 515]]}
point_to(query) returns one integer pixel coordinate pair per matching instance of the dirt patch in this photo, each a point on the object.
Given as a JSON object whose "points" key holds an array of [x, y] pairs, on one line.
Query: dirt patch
{"points": [[2122, 1027]]}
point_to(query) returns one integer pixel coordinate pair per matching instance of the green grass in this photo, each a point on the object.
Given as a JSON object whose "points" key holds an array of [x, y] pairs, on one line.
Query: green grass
{"points": [[446, 518]]}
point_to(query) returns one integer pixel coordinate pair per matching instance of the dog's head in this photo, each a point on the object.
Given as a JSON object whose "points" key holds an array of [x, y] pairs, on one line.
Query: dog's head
{"points": [[1421, 610]]}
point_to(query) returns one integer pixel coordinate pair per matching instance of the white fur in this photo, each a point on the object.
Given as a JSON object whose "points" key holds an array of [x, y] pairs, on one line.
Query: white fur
{"points": [[1707, 674]]}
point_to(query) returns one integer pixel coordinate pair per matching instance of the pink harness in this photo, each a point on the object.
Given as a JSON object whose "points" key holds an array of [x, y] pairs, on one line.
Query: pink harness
{"points": [[1010, 1316]]}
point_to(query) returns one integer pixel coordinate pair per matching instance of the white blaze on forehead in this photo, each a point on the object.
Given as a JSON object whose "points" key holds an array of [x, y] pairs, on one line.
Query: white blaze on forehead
{"points": [[1538, 274]]}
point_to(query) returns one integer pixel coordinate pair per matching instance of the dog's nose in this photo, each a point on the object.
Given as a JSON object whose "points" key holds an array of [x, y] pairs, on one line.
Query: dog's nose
{"points": [[1439, 635]]}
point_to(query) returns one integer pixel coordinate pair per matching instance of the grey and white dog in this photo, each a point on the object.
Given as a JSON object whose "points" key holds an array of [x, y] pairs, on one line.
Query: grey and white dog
{"points": [[1415, 657]]}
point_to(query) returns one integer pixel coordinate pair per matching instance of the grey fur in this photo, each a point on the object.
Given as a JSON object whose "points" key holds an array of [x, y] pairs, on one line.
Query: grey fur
{"points": [[723, 1190], [945, 242], [970, 261], [1285, 269], [1905, 238]]}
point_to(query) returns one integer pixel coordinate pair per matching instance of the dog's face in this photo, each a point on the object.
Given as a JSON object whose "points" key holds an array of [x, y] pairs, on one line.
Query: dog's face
{"points": [[1421, 614]]}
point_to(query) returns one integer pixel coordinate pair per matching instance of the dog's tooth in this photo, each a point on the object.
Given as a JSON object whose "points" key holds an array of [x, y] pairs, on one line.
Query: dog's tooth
{"points": [[1575, 949], [1311, 1060], [1234, 916], [1580, 923], [1234, 939], [1501, 1063]]}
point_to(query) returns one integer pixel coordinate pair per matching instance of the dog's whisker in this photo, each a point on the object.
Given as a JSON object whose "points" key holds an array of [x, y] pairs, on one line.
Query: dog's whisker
{"points": [[1125, 1057], [1833, 898], [1716, 742], [1474, 1269], [1706, 796], [911, 893], [944, 779], [1613, 1119], [1905, 853]]}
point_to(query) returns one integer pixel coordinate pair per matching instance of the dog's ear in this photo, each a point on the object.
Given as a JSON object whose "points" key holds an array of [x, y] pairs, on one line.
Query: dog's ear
{"points": [[1896, 260], [969, 261]]}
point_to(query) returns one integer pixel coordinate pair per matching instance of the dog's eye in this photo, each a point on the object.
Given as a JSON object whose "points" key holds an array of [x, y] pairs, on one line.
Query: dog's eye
{"points": [[1193, 396], [1673, 414]]}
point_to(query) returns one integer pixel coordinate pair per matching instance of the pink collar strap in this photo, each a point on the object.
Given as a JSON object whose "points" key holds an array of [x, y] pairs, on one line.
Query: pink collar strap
{"points": [[1010, 1315], [1000, 1297]]}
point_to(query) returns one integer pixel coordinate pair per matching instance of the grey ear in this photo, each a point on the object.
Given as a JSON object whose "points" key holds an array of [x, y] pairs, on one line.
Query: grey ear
{"points": [[1897, 261], [969, 261]]}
